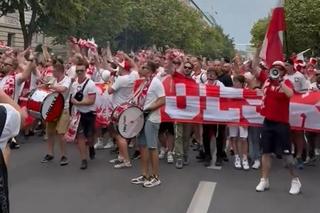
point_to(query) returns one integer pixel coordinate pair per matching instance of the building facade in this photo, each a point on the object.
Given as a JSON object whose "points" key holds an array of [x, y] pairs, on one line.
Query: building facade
{"points": [[11, 33]]}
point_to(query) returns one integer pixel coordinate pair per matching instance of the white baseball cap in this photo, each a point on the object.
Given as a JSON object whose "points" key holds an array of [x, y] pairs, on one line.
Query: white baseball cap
{"points": [[105, 75], [11, 126], [279, 63]]}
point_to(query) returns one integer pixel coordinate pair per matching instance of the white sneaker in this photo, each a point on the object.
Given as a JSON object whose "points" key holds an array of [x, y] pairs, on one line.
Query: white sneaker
{"points": [[152, 182], [170, 157], [99, 144], [162, 153], [139, 180], [295, 186], [123, 165], [237, 162], [256, 164], [131, 144], [116, 160], [263, 185], [109, 144], [245, 164]]}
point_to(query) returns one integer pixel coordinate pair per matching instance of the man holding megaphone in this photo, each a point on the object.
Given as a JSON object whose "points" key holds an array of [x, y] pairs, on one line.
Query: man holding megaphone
{"points": [[275, 137]]}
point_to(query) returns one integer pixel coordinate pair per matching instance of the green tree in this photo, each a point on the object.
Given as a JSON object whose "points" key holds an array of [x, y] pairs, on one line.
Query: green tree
{"points": [[258, 31], [303, 26], [169, 22], [63, 12], [103, 20]]}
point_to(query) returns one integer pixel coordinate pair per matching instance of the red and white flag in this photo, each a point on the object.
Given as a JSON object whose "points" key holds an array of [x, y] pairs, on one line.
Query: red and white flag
{"points": [[273, 42]]}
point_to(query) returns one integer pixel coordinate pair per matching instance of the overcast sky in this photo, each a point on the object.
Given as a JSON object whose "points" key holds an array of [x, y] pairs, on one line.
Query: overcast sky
{"points": [[237, 16]]}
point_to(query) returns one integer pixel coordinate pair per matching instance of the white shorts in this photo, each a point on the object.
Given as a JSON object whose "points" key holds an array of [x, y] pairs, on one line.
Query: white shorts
{"points": [[235, 131]]}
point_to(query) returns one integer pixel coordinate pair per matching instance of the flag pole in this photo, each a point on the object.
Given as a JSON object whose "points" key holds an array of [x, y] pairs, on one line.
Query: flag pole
{"points": [[286, 40], [286, 32]]}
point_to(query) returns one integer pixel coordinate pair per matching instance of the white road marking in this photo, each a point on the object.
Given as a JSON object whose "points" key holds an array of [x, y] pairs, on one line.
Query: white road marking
{"points": [[214, 167], [202, 197]]}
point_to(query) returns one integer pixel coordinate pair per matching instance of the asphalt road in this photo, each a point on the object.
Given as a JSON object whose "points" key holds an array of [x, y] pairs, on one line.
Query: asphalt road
{"points": [[50, 188]]}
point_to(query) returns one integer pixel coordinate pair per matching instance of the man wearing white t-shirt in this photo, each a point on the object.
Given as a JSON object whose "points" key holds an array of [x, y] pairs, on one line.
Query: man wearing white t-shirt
{"points": [[11, 119], [148, 138], [57, 129], [85, 104], [16, 70], [313, 137], [122, 92], [300, 85]]}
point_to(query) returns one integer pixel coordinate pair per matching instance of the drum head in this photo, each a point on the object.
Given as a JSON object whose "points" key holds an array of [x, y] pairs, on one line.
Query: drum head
{"points": [[131, 122]]}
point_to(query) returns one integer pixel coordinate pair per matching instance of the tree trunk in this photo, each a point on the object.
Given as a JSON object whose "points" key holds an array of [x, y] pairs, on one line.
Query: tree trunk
{"points": [[27, 29]]}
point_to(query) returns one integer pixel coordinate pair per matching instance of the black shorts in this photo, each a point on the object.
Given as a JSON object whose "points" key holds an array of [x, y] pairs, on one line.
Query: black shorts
{"points": [[87, 124], [166, 127], [275, 138]]}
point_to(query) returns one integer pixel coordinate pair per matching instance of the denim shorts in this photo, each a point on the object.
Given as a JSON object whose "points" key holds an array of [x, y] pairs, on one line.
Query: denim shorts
{"points": [[149, 135]]}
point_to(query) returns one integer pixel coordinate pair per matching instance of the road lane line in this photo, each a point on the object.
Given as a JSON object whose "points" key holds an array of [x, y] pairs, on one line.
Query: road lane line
{"points": [[202, 197], [214, 167]]}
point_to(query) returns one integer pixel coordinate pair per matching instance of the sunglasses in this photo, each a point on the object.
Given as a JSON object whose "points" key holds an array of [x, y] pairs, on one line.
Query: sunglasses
{"points": [[79, 70], [6, 64], [188, 67]]}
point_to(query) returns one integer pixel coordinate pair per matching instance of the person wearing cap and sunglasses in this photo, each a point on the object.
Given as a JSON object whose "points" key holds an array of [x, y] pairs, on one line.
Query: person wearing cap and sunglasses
{"points": [[275, 137], [82, 97]]}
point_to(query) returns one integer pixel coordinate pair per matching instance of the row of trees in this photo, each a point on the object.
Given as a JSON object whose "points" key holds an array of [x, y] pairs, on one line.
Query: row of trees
{"points": [[303, 27], [128, 24]]}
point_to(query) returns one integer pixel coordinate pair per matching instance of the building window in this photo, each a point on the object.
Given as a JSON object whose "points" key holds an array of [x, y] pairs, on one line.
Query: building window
{"points": [[10, 40]]}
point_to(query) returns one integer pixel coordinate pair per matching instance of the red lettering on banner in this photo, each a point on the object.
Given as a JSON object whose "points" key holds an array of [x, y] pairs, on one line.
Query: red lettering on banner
{"points": [[193, 103]]}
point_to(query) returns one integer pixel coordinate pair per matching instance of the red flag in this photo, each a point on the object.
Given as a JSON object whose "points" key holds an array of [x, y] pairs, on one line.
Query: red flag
{"points": [[273, 42]]}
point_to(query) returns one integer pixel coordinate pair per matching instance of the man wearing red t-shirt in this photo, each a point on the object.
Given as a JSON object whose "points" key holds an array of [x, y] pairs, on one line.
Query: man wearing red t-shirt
{"points": [[275, 131]]}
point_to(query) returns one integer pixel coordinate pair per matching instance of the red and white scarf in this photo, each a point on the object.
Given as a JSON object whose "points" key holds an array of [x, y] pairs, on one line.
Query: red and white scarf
{"points": [[9, 84], [140, 95]]}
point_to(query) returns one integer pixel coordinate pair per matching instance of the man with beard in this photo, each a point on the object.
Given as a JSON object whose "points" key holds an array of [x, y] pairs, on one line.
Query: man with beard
{"points": [[15, 70]]}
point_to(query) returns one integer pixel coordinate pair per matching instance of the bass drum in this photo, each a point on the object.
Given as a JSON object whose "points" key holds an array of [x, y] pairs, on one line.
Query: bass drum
{"points": [[128, 119], [45, 104]]}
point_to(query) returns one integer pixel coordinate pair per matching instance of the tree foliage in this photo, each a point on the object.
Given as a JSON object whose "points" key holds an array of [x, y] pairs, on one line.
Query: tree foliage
{"points": [[62, 12], [128, 24], [258, 31], [303, 26]]}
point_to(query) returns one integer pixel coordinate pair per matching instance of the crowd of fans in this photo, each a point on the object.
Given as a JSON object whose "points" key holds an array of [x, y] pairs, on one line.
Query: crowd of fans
{"points": [[24, 71]]}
